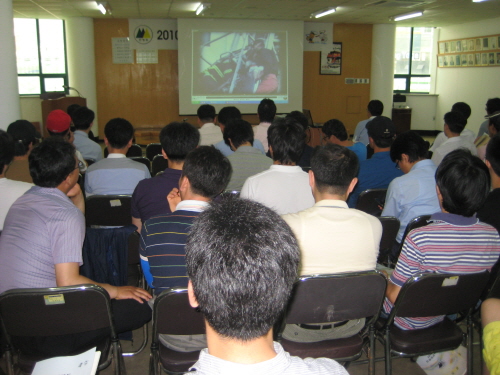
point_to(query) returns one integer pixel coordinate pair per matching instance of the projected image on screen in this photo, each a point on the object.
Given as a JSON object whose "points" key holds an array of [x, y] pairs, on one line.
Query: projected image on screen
{"points": [[239, 67]]}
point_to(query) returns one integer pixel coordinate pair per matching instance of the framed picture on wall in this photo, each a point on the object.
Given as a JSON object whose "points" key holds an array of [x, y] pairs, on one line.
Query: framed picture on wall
{"points": [[331, 60]]}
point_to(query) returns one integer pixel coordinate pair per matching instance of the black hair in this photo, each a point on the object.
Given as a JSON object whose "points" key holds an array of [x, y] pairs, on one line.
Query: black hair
{"points": [[71, 108], [63, 134], [51, 162], [335, 127], [21, 145], [266, 110], [82, 118], [287, 139], [239, 131], [456, 122], [493, 153], [207, 170], [411, 144], [334, 168], [300, 118], [464, 182], [206, 113], [118, 132], [495, 122], [178, 139], [463, 108], [376, 107], [7, 149], [242, 259], [492, 105], [228, 113]]}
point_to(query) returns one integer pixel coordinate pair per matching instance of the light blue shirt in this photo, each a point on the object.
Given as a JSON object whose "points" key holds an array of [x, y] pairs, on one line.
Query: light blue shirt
{"points": [[226, 150], [87, 147], [361, 134], [412, 195]]}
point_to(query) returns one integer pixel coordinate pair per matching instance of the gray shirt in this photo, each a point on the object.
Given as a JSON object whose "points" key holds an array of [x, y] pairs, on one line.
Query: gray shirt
{"points": [[246, 161], [43, 228], [88, 148]]}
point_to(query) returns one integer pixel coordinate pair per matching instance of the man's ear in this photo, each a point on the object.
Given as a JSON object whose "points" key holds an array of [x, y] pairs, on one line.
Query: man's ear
{"points": [[405, 158], [271, 151], [129, 144], [192, 298], [184, 184], [312, 180], [352, 185], [164, 154], [106, 142]]}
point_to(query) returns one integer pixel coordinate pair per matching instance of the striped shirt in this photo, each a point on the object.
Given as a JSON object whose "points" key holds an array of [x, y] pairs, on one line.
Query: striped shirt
{"points": [[246, 161], [162, 246], [451, 244]]}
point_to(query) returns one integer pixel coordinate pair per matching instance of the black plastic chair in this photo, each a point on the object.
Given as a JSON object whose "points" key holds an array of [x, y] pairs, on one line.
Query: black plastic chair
{"points": [[108, 210], [371, 201], [416, 222], [134, 151], [159, 164], [432, 294], [59, 311], [390, 229], [173, 315], [152, 150], [333, 298], [143, 160]]}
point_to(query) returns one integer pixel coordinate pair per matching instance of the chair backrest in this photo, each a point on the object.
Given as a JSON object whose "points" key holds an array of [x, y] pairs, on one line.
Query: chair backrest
{"points": [[55, 311], [416, 222], [433, 294], [390, 228], [338, 297], [159, 164], [143, 160], [173, 315], [108, 210], [371, 200], [152, 150]]}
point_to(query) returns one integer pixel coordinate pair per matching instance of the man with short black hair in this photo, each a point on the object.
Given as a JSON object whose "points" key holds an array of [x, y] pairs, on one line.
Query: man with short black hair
{"points": [[375, 108], [492, 106], [454, 124], [116, 174], [378, 171], [335, 132], [300, 118], [83, 119], [242, 261], [210, 133], [149, 199], [284, 186], [266, 111], [465, 110], [24, 135], [462, 184]]}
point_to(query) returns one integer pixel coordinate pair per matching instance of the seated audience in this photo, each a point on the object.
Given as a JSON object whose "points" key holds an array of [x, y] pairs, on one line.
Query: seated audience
{"points": [[10, 190], [305, 159], [378, 171], [335, 132], [489, 212], [493, 129], [332, 237], [465, 110], [116, 174], [246, 160], [471, 246], [150, 195], [225, 115], [83, 119], [492, 106], [24, 135], [414, 193], [490, 320], [454, 124], [266, 112], [210, 133], [284, 187], [375, 108], [41, 244], [242, 261]]}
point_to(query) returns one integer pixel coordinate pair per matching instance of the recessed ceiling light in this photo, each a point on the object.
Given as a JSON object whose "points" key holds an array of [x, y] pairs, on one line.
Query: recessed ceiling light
{"points": [[407, 16], [323, 12]]}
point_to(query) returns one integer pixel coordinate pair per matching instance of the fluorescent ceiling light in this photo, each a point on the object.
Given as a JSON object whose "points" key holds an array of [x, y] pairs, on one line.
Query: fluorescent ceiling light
{"points": [[202, 7], [323, 12], [101, 8], [478, 1], [104, 7], [407, 16]]}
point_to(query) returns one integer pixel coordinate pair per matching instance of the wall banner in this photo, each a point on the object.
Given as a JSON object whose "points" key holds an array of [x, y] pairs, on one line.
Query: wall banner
{"points": [[150, 34], [317, 36]]}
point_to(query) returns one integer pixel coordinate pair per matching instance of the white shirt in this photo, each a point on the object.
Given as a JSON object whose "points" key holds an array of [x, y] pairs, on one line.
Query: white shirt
{"points": [[283, 188], [210, 134], [10, 190], [452, 144], [441, 137], [260, 133]]}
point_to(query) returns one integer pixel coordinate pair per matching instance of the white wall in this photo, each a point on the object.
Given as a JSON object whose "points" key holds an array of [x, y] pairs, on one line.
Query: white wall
{"points": [[471, 85], [423, 112], [31, 109]]}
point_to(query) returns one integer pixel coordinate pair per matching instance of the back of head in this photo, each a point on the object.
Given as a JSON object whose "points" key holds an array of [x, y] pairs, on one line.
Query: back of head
{"points": [[207, 170], [375, 107], [178, 139], [464, 182], [51, 162], [492, 105], [72, 108], [382, 130], [58, 122], [493, 153], [118, 132], [494, 120], [82, 117], [335, 127], [456, 122], [287, 139], [266, 110], [6, 149], [411, 144], [239, 132], [300, 118], [334, 168], [463, 108], [242, 260], [206, 113], [227, 114], [23, 133]]}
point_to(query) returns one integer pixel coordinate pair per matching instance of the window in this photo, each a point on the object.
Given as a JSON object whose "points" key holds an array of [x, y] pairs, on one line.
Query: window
{"points": [[413, 74], [41, 55]]}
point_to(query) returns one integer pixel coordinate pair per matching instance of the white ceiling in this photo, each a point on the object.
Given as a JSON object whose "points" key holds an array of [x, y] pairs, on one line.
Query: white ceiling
{"points": [[436, 12]]}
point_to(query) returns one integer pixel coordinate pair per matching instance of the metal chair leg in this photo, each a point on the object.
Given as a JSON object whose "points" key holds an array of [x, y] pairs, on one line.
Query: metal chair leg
{"points": [[388, 367], [469, 345]]}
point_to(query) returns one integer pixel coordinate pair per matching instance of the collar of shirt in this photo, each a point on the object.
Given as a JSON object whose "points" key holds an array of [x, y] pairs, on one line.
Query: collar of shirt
{"points": [[454, 219], [116, 156], [208, 125], [192, 205], [380, 155], [248, 149], [423, 164], [334, 203], [263, 123]]}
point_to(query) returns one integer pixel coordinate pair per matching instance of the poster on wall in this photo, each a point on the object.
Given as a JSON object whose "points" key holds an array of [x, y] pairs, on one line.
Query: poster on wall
{"points": [[331, 60], [317, 35], [152, 34]]}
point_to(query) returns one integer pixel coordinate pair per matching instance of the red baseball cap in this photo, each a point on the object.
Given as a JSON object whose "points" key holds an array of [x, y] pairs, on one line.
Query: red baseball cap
{"points": [[58, 121]]}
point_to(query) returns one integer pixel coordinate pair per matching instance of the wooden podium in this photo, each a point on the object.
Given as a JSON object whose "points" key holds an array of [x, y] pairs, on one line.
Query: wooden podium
{"points": [[61, 103]]}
